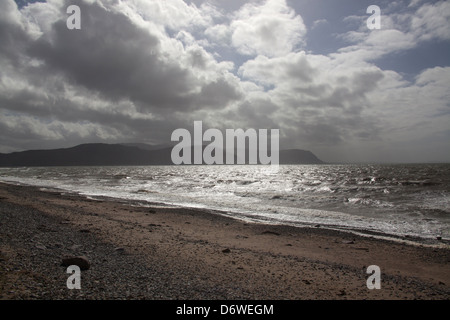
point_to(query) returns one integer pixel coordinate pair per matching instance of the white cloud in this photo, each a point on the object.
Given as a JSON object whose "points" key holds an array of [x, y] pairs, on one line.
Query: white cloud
{"points": [[432, 21], [173, 14], [292, 69], [399, 31], [219, 34], [270, 28], [318, 23], [414, 3]]}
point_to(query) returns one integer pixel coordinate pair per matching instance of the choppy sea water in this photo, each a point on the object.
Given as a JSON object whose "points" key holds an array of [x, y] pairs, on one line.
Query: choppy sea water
{"points": [[400, 200]]}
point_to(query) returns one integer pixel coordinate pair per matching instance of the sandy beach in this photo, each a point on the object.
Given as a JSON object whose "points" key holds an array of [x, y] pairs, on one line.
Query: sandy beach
{"points": [[161, 252]]}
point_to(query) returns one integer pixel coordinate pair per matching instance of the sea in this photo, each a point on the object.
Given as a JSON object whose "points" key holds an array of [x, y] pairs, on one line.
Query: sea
{"points": [[400, 201]]}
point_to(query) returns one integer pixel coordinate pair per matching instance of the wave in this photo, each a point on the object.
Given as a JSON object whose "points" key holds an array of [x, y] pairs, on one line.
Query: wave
{"points": [[345, 195]]}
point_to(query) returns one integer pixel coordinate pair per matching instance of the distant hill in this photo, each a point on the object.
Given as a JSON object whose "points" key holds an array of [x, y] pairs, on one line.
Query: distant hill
{"points": [[298, 156], [146, 146], [93, 154]]}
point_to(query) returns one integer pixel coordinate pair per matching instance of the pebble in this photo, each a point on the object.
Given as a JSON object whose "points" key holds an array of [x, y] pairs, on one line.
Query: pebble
{"points": [[80, 261], [271, 232]]}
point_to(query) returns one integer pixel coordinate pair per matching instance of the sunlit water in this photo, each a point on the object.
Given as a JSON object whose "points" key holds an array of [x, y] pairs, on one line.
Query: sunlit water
{"points": [[398, 200]]}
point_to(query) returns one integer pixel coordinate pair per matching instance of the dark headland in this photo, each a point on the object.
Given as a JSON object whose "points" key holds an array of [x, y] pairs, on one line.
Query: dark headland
{"points": [[95, 154]]}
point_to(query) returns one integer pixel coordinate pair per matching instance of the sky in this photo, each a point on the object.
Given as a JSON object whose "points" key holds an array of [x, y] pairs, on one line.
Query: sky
{"points": [[137, 70]]}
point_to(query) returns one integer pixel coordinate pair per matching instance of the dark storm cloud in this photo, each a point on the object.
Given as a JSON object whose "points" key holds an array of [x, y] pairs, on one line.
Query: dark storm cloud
{"points": [[259, 113], [318, 129], [120, 60], [217, 93], [109, 81], [13, 37]]}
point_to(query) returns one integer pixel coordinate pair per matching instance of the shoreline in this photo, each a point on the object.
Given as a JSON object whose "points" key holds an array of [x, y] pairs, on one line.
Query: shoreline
{"points": [[432, 242], [160, 252]]}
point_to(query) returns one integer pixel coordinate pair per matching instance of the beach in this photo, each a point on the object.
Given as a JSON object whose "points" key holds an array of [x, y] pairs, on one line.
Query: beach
{"points": [[158, 252]]}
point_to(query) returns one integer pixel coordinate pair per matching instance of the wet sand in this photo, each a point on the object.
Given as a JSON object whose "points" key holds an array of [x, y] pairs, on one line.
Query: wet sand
{"points": [[161, 252]]}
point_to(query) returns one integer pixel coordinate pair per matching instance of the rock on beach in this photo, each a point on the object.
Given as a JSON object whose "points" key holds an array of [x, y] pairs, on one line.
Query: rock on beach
{"points": [[80, 261]]}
